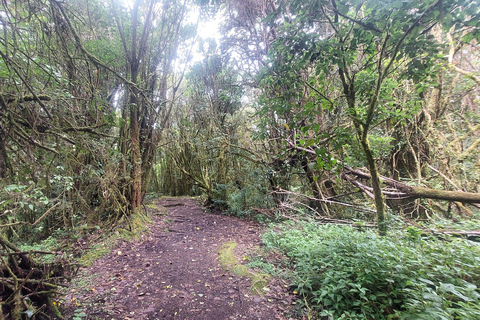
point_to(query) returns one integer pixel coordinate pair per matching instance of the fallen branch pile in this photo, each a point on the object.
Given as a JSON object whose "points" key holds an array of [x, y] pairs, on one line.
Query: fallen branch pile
{"points": [[27, 288], [293, 203]]}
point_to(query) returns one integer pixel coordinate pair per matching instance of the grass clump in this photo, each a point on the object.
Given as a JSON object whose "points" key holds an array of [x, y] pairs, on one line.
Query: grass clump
{"points": [[229, 261], [349, 274]]}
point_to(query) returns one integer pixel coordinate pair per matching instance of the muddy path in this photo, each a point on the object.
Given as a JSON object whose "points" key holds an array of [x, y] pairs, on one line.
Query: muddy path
{"points": [[174, 272]]}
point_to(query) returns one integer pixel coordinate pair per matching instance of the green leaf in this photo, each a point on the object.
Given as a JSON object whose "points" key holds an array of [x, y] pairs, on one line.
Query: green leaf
{"points": [[397, 4], [310, 142], [426, 281], [342, 8]]}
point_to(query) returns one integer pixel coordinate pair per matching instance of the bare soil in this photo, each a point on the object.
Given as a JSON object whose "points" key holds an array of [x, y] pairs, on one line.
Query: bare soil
{"points": [[174, 273]]}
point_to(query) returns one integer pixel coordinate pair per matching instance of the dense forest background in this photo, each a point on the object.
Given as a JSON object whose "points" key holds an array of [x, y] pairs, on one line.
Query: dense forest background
{"points": [[363, 112]]}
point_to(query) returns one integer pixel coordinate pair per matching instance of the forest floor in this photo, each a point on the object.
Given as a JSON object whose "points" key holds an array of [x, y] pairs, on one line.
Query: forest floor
{"points": [[173, 272]]}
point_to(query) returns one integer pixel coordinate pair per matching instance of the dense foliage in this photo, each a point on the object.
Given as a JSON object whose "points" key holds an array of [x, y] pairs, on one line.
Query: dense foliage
{"points": [[360, 110], [351, 274]]}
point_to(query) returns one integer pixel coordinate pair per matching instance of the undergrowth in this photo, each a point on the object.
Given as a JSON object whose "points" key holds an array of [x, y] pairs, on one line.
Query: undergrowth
{"points": [[138, 225], [343, 273], [455, 224]]}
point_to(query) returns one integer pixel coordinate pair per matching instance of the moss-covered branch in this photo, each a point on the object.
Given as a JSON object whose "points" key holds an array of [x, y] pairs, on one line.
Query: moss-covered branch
{"points": [[421, 192]]}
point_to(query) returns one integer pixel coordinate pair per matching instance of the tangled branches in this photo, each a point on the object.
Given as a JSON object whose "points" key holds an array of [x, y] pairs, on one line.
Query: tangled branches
{"points": [[27, 287]]}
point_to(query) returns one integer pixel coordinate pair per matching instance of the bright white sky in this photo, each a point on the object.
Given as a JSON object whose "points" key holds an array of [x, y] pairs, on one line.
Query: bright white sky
{"points": [[206, 28]]}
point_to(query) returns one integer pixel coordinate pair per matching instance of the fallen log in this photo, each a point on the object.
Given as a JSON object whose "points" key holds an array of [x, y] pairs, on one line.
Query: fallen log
{"points": [[422, 192], [470, 235], [414, 192], [447, 234]]}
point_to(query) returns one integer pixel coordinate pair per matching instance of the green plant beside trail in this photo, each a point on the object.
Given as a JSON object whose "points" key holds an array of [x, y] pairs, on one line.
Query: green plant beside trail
{"points": [[349, 274]]}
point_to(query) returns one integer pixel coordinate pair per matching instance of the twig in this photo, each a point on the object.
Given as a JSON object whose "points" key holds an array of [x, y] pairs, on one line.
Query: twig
{"points": [[30, 224], [34, 251], [46, 212], [444, 177], [35, 281], [281, 191]]}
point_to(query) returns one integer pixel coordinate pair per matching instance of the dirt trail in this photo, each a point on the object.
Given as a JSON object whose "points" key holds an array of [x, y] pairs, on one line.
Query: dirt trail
{"points": [[174, 272]]}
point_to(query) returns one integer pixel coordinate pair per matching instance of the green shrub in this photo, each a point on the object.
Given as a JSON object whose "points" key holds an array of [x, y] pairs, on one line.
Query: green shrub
{"points": [[251, 195], [349, 274]]}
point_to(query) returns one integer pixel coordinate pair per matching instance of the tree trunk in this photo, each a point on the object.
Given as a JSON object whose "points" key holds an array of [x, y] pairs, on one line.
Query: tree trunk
{"points": [[136, 161], [377, 190], [315, 187]]}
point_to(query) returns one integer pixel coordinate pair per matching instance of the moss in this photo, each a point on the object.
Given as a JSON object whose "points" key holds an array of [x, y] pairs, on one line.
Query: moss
{"points": [[162, 211], [96, 252], [155, 209], [151, 206], [138, 225], [54, 308], [229, 261]]}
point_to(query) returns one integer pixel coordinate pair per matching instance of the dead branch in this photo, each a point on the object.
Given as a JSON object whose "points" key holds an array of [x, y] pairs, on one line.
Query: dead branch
{"points": [[321, 219], [30, 224], [414, 192], [282, 191], [324, 220]]}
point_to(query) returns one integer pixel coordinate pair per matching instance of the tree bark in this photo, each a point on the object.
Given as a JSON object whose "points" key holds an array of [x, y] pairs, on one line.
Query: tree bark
{"points": [[414, 192], [377, 189], [422, 192], [136, 161]]}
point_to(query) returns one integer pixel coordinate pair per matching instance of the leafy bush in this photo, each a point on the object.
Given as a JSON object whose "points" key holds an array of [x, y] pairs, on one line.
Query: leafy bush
{"points": [[252, 194], [266, 267], [349, 274]]}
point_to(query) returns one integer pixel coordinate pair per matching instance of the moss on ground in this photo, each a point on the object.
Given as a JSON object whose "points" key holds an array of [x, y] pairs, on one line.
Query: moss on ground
{"points": [[229, 261], [152, 206], [138, 225]]}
